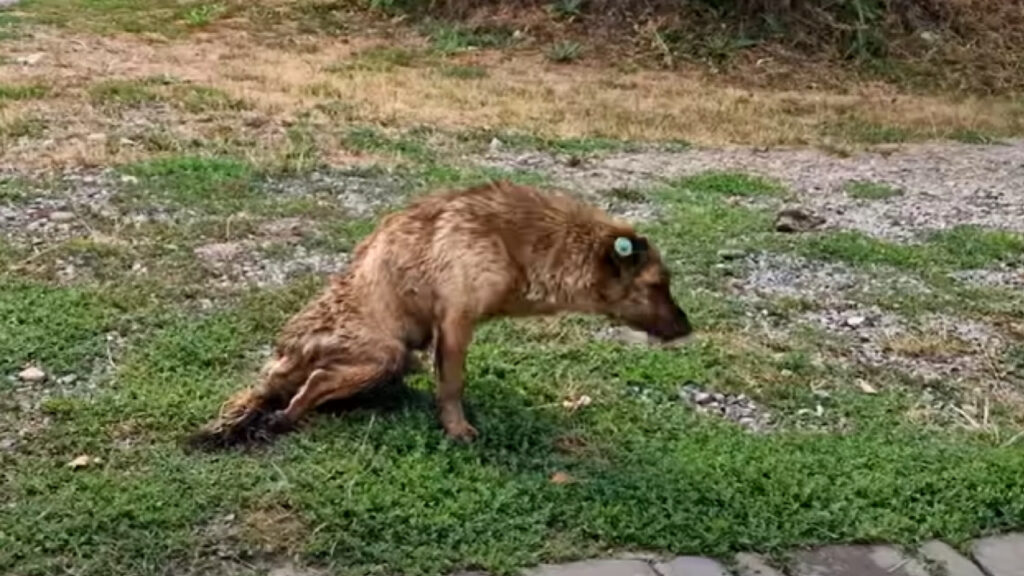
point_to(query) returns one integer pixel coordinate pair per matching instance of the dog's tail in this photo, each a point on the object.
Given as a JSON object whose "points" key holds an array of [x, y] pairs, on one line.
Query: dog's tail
{"points": [[250, 415]]}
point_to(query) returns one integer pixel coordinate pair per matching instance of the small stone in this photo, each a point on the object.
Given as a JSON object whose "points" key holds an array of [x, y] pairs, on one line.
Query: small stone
{"points": [[866, 388], [31, 375], [719, 398], [793, 220], [495, 145], [96, 137], [856, 321], [61, 216], [562, 478], [83, 461], [67, 379], [702, 397], [129, 179], [730, 254], [31, 59]]}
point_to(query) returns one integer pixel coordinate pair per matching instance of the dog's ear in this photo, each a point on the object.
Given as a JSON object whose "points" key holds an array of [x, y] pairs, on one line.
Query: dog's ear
{"points": [[626, 253]]}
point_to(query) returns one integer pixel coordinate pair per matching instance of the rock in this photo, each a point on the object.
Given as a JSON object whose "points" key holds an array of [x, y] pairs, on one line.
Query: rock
{"points": [[950, 561], [61, 216], [31, 375], [67, 379], [856, 321], [690, 566], [562, 478], [866, 388], [495, 145], [793, 220], [856, 561], [754, 565], [702, 397], [129, 179], [1001, 555], [83, 461]]}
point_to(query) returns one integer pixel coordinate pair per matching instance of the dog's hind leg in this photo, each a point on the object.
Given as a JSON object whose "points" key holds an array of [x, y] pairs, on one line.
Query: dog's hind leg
{"points": [[338, 381]]}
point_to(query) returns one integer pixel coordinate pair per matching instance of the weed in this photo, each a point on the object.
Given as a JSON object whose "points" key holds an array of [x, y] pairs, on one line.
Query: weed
{"points": [[203, 14], [369, 139], [866, 190], [566, 51], [21, 127], [729, 184], [567, 9], [23, 91], [124, 93], [379, 59], [968, 136], [449, 38], [463, 72]]}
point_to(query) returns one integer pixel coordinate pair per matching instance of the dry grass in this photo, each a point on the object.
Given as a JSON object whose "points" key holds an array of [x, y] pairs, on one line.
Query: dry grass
{"points": [[525, 93]]}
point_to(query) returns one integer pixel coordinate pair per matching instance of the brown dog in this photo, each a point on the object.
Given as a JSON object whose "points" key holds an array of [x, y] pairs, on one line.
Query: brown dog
{"points": [[429, 274]]}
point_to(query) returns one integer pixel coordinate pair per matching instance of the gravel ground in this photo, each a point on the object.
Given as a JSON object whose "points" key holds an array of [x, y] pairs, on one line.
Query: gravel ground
{"points": [[943, 185]]}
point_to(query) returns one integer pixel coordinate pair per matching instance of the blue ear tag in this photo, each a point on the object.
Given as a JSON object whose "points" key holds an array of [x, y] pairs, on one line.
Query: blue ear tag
{"points": [[623, 247]]}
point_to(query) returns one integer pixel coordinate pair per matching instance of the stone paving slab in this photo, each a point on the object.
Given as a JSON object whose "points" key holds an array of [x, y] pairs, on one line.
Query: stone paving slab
{"points": [[690, 566], [595, 568], [856, 561], [1001, 555], [754, 565], [951, 562]]}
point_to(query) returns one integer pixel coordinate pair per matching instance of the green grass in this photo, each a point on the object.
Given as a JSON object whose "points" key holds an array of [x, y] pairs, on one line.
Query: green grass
{"points": [[729, 184], [166, 17], [378, 489], [135, 93], [214, 183], [380, 59], [462, 72], [450, 38], [411, 146], [23, 91], [960, 248], [865, 190]]}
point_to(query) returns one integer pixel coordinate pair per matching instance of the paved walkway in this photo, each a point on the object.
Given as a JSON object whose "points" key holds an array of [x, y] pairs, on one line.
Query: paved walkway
{"points": [[996, 556]]}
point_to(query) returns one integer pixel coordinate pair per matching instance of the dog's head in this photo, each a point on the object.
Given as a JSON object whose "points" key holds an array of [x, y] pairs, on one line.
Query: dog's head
{"points": [[634, 287]]}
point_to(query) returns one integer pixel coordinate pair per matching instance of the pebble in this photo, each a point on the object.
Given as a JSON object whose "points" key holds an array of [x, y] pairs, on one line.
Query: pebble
{"points": [[793, 220], [32, 375], [855, 321], [61, 216], [731, 254]]}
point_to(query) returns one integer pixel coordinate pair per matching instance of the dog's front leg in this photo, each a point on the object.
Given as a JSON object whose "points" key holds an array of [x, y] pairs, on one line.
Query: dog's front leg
{"points": [[450, 347]]}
